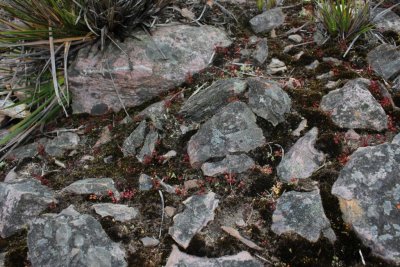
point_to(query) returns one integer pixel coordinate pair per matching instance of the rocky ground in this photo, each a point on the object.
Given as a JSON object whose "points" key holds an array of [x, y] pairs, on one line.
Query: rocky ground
{"points": [[247, 142]]}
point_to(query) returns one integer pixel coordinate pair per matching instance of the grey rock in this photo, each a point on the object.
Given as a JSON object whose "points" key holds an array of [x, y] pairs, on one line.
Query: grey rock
{"points": [[199, 211], [72, 239], [260, 54], [302, 160], [98, 186], [232, 130], [144, 73], [108, 159], [295, 38], [313, 65], [276, 66], [242, 259], [64, 142], [325, 76], [149, 146], [368, 189], [230, 164], [208, 101], [385, 19], [20, 202], [2, 259], [149, 242], [385, 61], [396, 139], [145, 182], [121, 213], [267, 21], [156, 113], [134, 140], [354, 107], [302, 213], [268, 100], [28, 151], [332, 61]]}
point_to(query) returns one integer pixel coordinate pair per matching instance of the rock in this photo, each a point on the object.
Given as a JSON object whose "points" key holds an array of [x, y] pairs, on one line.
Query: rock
{"points": [[105, 137], [268, 100], [368, 189], [333, 61], [385, 61], [242, 259], [134, 140], [145, 182], [20, 202], [64, 142], [352, 135], [191, 184], [156, 113], [313, 65], [232, 130], [267, 21], [199, 211], [208, 101], [298, 55], [332, 84], [260, 54], [396, 139], [8, 109], [302, 160], [121, 213], [295, 38], [300, 128], [170, 211], [72, 239], [149, 146], [2, 259], [354, 107], [385, 19], [231, 164], [145, 72], [302, 213], [149, 242], [325, 76], [169, 155], [11, 176], [276, 66], [97, 186], [28, 151], [108, 159]]}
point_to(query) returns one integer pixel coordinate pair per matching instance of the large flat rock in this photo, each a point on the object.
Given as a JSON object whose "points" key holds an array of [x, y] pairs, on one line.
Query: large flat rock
{"points": [[385, 61], [368, 189], [143, 67]]}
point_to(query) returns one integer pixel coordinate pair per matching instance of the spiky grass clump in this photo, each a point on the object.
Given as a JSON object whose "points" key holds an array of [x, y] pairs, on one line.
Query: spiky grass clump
{"points": [[268, 4]]}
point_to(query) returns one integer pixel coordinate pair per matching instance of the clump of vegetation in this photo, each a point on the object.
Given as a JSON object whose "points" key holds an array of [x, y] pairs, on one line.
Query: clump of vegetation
{"points": [[267, 4], [37, 37]]}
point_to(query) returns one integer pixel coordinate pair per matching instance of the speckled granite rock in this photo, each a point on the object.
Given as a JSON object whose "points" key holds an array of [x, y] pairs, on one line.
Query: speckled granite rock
{"points": [[302, 159], [385, 61], [72, 239], [233, 129], [368, 189], [208, 101], [396, 139], [267, 20], [134, 140], [268, 100], [354, 107], [121, 213], [145, 72], [20, 202], [199, 211], [230, 164], [242, 259], [98, 186], [302, 213]]}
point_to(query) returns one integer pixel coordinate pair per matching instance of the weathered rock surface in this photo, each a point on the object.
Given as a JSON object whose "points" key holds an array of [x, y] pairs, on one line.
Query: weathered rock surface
{"points": [[149, 146], [396, 139], [154, 64], [208, 101], [268, 100], [156, 113], [302, 213], [199, 211], [149, 242], [98, 186], [368, 189], [242, 259], [145, 182], [134, 140], [121, 213], [260, 54], [230, 164], [20, 202], [2, 259], [267, 21], [233, 129], [354, 107], [302, 159], [71, 239], [385, 61], [385, 20], [65, 141]]}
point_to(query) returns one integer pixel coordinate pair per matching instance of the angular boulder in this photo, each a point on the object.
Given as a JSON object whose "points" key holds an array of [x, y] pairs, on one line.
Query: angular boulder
{"points": [[20, 202], [98, 186], [72, 239], [268, 100], [267, 20], [396, 139], [65, 141], [230, 164], [385, 19], [354, 107], [121, 213], [141, 67], [385, 61], [302, 213], [302, 160], [233, 129], [134, 140], [368, 189]]}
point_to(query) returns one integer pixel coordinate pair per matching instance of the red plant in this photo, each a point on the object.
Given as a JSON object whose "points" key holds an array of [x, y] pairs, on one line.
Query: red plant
{"points": [[343, 158], [385, 102]]}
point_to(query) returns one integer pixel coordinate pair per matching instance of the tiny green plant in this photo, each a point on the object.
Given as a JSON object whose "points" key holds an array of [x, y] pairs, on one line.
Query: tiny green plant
{"points": [[268, 4]]}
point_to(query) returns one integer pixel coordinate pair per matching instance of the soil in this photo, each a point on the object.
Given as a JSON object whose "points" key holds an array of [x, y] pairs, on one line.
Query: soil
{"points": [[259, 189]]}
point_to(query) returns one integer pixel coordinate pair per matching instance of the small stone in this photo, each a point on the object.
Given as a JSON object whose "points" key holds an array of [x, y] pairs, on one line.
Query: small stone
{"points": [[145, 182], [170, 211], [260, 54], [105, 137], [169, 155], [332, 84], [149, 146], [231, 164], [325, 76], [300, 128], [268, 20], [199, 211], [108, 159], [121, 213], [97, 186], [313, 65], [295, 38], [288, 48], [276, 66], [332, 60], [385, 19], [149, 242], [3, 259], [253, 40], [65, 141], [191, 184], [28, 151], [396, 139], [134, 140], [87, 158], [9, 109], [352, 135], [385, 61], [298, 56], [156, 113]]}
